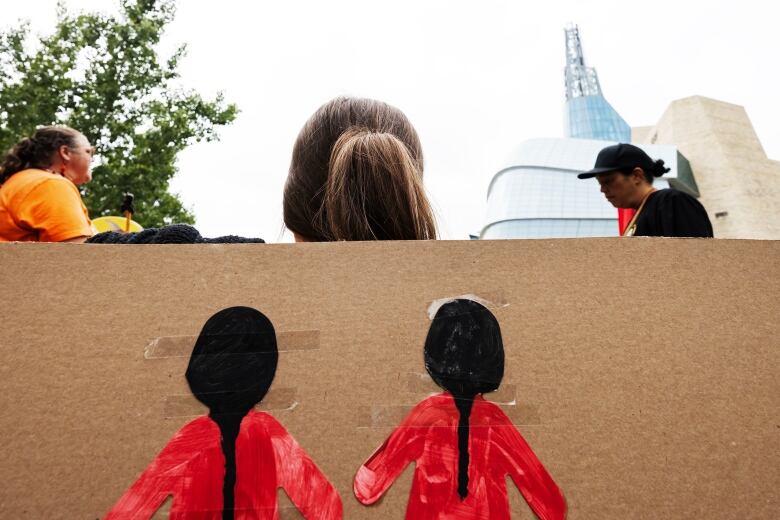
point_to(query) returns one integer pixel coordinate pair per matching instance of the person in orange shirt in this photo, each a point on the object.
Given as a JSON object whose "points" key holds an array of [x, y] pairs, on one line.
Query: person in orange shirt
{"points": [[39, 198]]}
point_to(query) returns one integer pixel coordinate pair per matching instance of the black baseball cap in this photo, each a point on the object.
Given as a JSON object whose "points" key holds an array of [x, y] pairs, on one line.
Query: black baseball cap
{"points": [[619, 157]]}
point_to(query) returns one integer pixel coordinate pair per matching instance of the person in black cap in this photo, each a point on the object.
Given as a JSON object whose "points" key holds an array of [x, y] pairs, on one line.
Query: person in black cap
{"points": [[625, 173]]}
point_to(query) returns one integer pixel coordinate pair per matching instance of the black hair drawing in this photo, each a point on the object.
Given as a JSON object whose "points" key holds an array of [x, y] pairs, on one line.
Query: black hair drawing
{"points": [[464, 354], [231, 369]]}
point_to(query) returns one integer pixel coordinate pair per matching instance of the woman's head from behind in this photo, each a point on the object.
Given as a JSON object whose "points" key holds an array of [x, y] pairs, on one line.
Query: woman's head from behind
{"points": [[356, 174], [59, 149]]}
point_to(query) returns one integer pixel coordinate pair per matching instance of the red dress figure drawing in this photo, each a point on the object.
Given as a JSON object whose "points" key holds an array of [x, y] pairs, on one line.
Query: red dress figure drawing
{"points": [[463, 446], [230, 464]]}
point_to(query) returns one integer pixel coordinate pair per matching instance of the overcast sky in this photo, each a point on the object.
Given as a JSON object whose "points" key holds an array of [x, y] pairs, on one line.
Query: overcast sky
{"points": [[475, 78]]}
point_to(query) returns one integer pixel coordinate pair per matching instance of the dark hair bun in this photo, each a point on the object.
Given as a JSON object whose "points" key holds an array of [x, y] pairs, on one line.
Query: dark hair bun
{"points": [[659, 168], [28, 149], [36, 151]]}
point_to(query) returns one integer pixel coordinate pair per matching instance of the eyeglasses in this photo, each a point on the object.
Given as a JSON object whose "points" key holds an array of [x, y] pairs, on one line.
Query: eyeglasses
{"points": [[89, 150]]}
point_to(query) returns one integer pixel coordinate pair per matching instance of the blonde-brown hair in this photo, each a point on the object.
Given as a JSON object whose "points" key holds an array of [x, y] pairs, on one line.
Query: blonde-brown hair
{"points": [[356, 174]]}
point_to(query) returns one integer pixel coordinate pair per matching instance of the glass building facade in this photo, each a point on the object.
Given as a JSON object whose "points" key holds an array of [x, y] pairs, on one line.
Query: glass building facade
{"points": [[537, 194], [592, 117]]}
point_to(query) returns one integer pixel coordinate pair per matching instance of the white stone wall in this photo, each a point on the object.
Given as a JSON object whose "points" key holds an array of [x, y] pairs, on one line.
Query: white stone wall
{"points": [[729, 164]]}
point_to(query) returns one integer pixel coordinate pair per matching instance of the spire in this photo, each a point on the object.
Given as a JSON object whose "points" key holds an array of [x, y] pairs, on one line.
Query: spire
{"points": [[580, 80], [588, 115]]}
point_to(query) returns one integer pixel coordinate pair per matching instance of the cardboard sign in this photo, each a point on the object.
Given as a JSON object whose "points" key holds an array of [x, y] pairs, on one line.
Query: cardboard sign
{"points": [[641, 373]]}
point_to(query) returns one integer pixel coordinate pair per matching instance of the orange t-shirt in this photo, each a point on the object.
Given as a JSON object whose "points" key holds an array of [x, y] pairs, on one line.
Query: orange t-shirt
{"points": [[36, 205]]}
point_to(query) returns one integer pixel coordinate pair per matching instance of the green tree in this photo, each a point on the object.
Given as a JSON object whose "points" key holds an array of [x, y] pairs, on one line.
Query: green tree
{"points": [[101, 75]]}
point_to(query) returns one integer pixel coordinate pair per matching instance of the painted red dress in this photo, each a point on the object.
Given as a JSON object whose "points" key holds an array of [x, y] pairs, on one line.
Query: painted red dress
{"points": [[429, 437], [191, 468]]}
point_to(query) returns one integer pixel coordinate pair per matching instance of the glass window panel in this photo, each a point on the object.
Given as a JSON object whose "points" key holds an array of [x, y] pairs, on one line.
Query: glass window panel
{"points": [[552, 228]]}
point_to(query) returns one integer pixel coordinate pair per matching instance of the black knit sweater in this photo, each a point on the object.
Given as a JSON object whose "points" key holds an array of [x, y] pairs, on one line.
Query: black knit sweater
{"points": [[173, 234]]}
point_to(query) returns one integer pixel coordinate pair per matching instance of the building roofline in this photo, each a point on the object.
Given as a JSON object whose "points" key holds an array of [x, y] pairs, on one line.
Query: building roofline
{"points": [[485, 228]]}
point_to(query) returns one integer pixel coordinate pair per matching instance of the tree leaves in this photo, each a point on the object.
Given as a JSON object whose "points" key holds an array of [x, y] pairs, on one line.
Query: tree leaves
{"points": [[101, 75]]}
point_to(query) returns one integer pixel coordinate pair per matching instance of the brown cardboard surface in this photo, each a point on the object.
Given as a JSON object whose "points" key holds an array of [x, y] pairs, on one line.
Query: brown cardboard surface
{"points": [[643, 372]]}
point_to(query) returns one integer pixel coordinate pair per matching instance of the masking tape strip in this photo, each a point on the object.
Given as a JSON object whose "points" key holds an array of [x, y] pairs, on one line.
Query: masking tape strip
{"points": [[185, 405], [492, 301], [164, 511], [289, 512], [181, 346], [422, 384], [390, 416], [284, 507]]}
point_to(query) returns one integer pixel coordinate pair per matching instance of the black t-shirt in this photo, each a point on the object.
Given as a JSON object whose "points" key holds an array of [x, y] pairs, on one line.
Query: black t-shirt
{"points": [[672, 213]]}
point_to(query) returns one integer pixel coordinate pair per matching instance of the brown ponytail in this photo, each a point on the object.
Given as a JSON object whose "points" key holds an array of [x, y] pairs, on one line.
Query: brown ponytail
{"points": [[36, 151], [356, 174], [374, 190]]}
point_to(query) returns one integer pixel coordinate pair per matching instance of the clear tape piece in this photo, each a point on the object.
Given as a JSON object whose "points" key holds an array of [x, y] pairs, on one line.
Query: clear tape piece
{"points": [[491, 301], [185, 405], [390, 416], [181, 346]]}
